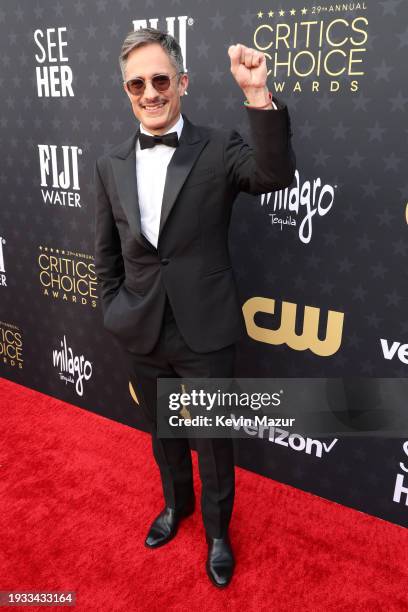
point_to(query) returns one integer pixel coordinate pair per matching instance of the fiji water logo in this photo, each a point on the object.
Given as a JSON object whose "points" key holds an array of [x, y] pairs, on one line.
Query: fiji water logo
{"points": [[168, 24], [297, 206], [60, 175]]}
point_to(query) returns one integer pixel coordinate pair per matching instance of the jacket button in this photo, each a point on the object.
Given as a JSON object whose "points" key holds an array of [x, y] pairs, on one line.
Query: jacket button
{"points": [[164, 261]]}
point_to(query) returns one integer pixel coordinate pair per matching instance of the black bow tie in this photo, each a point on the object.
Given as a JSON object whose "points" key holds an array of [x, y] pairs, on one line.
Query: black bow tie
{"points": [[147, 142]]}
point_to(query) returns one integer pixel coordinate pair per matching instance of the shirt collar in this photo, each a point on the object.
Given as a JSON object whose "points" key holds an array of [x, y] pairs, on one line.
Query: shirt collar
{"points": [[176, 128]]}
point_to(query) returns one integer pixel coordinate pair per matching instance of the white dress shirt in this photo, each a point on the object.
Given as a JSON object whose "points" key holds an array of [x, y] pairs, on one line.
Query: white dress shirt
{"points": [[151, 170]]}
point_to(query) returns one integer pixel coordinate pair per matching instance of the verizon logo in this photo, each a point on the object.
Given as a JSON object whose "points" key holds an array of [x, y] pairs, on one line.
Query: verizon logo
{"points": [[395, 349]]}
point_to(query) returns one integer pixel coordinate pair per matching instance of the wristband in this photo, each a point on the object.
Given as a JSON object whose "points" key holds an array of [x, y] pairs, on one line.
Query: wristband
{"points": [[264, 106]]}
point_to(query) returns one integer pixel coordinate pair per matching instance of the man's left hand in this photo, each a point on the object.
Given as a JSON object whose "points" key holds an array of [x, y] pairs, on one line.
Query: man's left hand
{"points": [[248, 67]]}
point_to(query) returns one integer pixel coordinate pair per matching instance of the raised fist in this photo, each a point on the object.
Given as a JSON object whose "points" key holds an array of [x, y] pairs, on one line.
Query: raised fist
{"points": [[248, 67]]}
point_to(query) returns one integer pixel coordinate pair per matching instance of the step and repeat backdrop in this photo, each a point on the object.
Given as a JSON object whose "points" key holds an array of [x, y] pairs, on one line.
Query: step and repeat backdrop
{"points": [[321, 266]]}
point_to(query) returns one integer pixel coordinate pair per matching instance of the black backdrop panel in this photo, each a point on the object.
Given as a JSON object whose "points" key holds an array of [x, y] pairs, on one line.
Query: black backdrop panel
{"points": [[321, 266]]}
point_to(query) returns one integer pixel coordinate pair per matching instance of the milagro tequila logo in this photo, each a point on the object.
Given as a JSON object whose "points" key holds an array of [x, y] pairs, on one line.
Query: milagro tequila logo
{"points": [[3, 279], [72, 369], [296, 206], [59, 174], [53, 81], [168, 25]]}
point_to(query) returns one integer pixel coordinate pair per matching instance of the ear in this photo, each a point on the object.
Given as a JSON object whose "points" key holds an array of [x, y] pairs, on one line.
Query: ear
{"points": [[126, 91], [183, 84]]}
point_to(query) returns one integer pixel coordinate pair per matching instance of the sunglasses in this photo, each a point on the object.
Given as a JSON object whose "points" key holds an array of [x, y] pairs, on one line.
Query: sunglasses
{"points": [[161, 82]]}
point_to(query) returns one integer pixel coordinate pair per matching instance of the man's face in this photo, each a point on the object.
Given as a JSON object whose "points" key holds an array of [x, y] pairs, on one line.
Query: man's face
{"points": [[157, 111]]}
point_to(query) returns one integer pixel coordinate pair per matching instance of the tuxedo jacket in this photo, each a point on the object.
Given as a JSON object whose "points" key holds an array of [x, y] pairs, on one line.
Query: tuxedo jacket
{"points": [[191, 263]]}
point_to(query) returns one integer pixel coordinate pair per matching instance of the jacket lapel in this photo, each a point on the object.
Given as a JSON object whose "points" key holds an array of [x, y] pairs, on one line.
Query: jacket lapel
{"points": [[124, 170], [192, 141]]}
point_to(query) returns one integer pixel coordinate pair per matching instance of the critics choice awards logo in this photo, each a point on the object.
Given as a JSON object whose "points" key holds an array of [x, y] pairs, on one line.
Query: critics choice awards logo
{"points": [[316, 46], [68, 276], [11, 345]]}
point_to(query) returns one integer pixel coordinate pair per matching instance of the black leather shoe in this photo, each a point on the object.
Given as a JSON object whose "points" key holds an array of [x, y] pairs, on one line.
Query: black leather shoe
{"points": [[220, 561], [165, 526]]}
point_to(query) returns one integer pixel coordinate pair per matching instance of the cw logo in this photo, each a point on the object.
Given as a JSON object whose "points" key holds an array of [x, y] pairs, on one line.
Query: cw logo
{"points": [[286, 333]]}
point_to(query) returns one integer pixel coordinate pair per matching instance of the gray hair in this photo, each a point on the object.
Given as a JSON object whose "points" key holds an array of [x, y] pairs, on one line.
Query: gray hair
{"points": [[147, 36]]}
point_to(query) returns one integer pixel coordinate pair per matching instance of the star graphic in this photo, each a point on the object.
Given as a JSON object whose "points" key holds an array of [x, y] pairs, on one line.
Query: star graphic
{"points": [[370, 189], [400, 247], [360, 102], [355, 160], [379, 270], [350, 213], [393, 298], [327, 287], [230, 101], [383, 71], [202, 49], [345, 265], [321, 158], [340, 131], [398, 103], [376, 132], [202, 101], [359, 293], [392, 162], [306, 129], [403, 38], [217, 21], [79, 7], [385, 217], [286, 256], [373, 320], [216, 75], [313, 261], [300, 282], [390, 6], [330, 238], [247, 18], [91, 31], [325, 102]]}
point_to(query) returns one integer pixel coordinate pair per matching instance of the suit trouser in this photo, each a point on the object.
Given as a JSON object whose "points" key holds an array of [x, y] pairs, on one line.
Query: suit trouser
{"points": [[172, 358]]}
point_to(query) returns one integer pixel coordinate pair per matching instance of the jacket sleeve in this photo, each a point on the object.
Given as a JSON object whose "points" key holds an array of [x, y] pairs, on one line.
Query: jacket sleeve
{"points": [[109, 265], [270, 164]]}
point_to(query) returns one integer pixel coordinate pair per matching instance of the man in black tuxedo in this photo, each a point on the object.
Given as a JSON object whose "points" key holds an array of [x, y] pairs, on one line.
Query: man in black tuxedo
{"points": [[163, 205]]}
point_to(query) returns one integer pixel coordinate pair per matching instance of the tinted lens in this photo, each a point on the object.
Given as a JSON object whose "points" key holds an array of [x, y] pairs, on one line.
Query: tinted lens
{"points": [[161, 82], [136, 86]]}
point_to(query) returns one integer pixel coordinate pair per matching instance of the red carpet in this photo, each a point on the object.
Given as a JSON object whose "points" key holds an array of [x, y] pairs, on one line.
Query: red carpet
{"points": [[78, 492]]}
